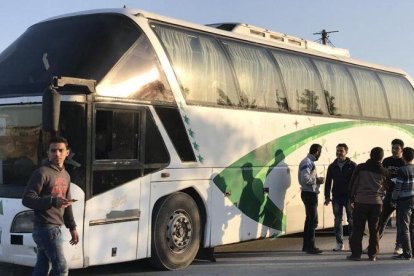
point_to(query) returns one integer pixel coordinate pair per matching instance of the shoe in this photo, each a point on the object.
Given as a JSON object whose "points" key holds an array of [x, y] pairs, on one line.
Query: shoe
{"points": [[401, 257], [339, 247], [372, 259], [353, 258], [314, 251], [304, 249], [365, 251], [398, 250]]}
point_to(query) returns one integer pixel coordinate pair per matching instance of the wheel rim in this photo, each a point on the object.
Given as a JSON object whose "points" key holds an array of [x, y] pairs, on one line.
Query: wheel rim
{"points": [[179, 231]]}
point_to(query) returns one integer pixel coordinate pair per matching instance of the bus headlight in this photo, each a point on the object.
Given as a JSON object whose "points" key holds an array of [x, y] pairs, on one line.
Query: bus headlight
{"points": [[23, 222]]}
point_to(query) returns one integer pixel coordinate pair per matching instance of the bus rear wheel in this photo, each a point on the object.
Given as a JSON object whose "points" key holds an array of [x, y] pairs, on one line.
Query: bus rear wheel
{"points": [[176, 232]]}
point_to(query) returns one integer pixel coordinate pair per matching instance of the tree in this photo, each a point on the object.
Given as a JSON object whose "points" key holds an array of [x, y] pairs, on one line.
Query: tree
{"points": [[309, 101]]}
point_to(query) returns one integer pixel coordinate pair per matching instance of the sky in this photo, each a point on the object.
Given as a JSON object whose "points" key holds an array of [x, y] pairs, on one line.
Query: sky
{"points": [[377, 31]]}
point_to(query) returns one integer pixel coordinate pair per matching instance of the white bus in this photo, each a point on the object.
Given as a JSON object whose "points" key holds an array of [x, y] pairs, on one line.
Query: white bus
{"points": [[191, 137]]}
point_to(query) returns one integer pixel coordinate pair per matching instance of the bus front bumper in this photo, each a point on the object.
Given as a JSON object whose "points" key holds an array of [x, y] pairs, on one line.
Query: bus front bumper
{"points": [[15, 248]]}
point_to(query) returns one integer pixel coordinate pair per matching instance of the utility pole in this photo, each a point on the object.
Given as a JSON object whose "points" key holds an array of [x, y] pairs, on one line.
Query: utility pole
{"points": [[324, 37]]}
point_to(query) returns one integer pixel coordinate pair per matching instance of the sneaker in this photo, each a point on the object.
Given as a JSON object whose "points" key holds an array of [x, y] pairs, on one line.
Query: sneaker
{"points": [[401, 257], [353, 258], [339, 247], [398, 250], [372, 259]]}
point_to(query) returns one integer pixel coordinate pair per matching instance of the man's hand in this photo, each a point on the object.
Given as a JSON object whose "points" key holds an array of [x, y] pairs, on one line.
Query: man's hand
{"points": [[75, 237], [327, 201], [320, 180], [60, 202]]}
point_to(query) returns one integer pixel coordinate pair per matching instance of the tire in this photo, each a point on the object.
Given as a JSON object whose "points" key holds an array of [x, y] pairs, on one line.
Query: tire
{"points": [[176, 232]]}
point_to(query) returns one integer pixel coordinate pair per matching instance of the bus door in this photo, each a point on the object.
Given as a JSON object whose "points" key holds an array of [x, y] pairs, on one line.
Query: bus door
{"points": [[113, 211]]}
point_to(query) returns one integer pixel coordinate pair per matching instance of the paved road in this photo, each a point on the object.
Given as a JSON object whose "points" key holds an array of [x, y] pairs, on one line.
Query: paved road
{"points": [[281, 256]]}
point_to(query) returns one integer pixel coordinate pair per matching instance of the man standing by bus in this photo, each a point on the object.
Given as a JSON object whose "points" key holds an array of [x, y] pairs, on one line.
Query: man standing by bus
{"points": [[48, 194], [404, 193], [340, 172], [310, 183], [367, 186], [392, 164]]}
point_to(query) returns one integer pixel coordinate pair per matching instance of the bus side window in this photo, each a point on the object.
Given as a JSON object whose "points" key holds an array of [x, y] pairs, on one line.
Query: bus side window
{"points": [[101, 147], [156, 155], [116, 135], [124, 139], [102, 133], [116, 138]]}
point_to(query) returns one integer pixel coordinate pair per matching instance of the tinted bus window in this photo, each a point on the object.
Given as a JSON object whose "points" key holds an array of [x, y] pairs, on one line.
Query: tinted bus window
{"points": [[259, 82], [339, 90], [200, 65], [83, 47], [400, 96], [371, 93], [117, 135], [138, 75], [304, 91]]}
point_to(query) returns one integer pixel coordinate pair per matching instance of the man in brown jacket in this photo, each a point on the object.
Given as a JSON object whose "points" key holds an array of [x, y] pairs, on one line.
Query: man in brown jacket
{"points": [[367, 188]]}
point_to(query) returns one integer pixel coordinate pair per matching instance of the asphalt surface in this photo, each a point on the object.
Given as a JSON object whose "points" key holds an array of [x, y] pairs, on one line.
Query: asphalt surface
{"points": [[281, 256]]}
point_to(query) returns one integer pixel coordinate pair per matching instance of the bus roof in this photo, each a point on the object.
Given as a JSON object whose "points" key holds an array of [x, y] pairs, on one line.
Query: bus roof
{"points": [[253, 34]]}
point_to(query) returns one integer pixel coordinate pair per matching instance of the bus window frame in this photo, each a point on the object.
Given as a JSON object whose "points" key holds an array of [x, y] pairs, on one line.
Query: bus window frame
{"points": [[117, 164]]}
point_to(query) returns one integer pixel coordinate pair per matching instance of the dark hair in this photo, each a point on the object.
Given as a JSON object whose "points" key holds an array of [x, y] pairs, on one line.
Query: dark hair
{"points": [[408, 154], [315, 148], [59, 139], [342, 145], [398, 142], [377, 154]]}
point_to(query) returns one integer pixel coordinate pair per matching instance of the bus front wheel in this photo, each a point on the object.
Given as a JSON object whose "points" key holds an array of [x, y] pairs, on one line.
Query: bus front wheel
{"points": [[176, 232]]}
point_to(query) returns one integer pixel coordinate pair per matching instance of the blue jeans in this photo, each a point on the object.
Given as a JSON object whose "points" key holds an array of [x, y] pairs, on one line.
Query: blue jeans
{"points": [[338, 205], [406, 224], [49, 251]]}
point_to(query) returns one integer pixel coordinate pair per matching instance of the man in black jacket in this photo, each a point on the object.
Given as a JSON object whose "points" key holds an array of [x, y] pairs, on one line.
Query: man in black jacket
{"points": [[339, 172], [392, 164]]}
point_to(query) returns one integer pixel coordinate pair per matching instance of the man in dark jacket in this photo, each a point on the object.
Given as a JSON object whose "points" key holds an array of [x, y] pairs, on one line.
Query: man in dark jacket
{"points": [[367, 188], [340, 172], [392, 164], [48, 194]]}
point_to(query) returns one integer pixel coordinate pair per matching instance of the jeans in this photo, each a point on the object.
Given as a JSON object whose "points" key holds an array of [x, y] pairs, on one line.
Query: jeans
{"points": [[385, 217], [49, 251], [338, 205], [361, 214], [310, 200], [406, 224]]}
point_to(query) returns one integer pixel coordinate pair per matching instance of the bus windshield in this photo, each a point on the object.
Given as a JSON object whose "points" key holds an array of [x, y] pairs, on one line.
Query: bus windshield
{"points": [[20, 129], [22, 149], [85, 46]]}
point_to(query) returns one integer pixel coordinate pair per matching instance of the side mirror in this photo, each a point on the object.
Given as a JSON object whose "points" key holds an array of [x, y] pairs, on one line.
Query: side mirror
{"points": [[50, 110]]}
